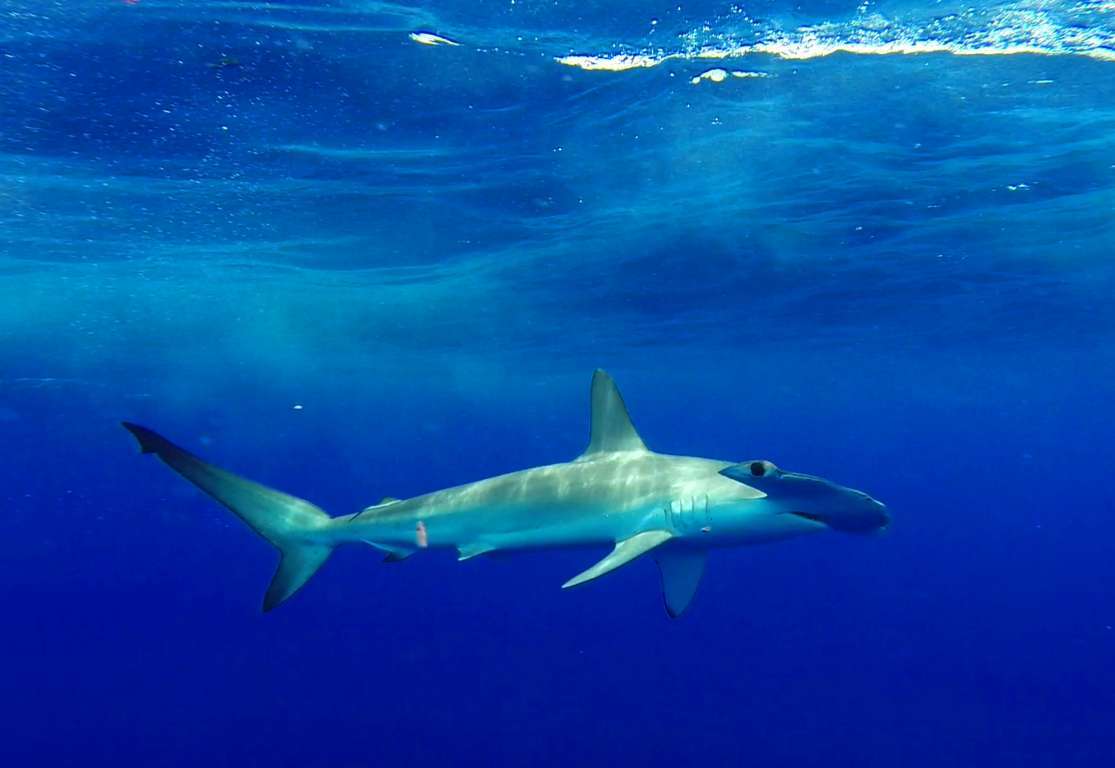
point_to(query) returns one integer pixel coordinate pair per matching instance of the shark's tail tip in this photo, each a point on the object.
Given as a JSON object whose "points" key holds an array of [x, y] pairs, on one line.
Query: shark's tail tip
{"points": [[149, 441]]}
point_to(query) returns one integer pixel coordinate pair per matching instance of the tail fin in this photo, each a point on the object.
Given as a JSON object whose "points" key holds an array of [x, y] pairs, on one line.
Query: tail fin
{"points": [[283, 520]]}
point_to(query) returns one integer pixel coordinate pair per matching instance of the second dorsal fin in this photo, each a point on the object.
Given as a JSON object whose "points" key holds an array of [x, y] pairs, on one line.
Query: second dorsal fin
{"points": [[611, 428]]}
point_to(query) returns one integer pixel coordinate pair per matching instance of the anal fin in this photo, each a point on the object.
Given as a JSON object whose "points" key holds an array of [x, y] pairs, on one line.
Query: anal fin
{"points": [[475, 549], [624, 552], [394, 554]]}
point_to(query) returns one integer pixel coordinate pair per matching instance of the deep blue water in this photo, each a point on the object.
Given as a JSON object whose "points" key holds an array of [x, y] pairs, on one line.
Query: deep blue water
{"points": [[889, 265]]}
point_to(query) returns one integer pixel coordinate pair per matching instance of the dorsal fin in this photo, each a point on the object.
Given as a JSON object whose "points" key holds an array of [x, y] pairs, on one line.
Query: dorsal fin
{"points": [[385, 501], [611, 428]]}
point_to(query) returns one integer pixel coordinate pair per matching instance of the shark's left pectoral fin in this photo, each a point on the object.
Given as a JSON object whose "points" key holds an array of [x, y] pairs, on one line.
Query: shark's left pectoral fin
{"points": [[625, 551], [681, 569]]}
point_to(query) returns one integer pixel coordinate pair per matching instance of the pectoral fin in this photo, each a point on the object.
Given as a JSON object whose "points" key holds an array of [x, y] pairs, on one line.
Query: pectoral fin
{"points": [[625, 551], [681, 569]]}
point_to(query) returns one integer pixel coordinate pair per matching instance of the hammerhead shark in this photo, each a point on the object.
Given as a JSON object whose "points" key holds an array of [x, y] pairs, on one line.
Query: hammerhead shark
{"points": [[616, 493]]}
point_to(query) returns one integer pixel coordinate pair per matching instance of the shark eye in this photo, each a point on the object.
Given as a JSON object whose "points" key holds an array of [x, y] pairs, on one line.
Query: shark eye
{"points": [[758, 468]]}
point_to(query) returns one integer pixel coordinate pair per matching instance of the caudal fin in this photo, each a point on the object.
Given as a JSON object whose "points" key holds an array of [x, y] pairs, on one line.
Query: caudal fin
{"points": [[286, 521]]}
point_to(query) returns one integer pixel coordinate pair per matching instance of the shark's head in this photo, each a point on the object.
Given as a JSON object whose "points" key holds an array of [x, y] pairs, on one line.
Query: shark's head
{"points": [[813, 498]]}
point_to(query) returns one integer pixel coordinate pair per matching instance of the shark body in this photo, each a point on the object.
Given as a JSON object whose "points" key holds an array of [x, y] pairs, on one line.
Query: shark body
{"points": [[616, 493]]}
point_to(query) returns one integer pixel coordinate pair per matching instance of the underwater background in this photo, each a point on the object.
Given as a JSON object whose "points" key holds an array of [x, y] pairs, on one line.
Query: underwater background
{"points": [[365, 249]]}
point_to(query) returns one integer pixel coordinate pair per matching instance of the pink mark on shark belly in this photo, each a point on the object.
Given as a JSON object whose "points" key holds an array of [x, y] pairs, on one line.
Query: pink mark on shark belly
{"points": [[421, 538]]}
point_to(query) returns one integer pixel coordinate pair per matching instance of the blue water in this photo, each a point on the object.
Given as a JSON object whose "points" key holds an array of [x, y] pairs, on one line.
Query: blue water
{"points": [[350, 265]]}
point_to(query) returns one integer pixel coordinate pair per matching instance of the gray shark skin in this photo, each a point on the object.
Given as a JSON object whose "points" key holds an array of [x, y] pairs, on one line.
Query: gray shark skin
{"points": [[617, 493]]}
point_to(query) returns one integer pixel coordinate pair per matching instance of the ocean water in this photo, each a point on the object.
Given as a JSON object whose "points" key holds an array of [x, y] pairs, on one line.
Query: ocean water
{"points": [[354, 249]]}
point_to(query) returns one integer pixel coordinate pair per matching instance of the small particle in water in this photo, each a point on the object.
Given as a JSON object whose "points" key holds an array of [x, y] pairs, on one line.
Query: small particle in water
{"points": [[297, 406], [429, 38], [1017, 187], [421, 537], [224, 62]]}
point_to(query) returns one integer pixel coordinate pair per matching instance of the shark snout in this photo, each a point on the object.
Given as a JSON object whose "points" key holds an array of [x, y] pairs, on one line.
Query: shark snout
{"points": [[883, 514], [858, 514], [813, 498]]}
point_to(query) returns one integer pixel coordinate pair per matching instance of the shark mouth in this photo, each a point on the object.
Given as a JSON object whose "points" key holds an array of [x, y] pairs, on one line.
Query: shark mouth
{"points": [[808, 516]]}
